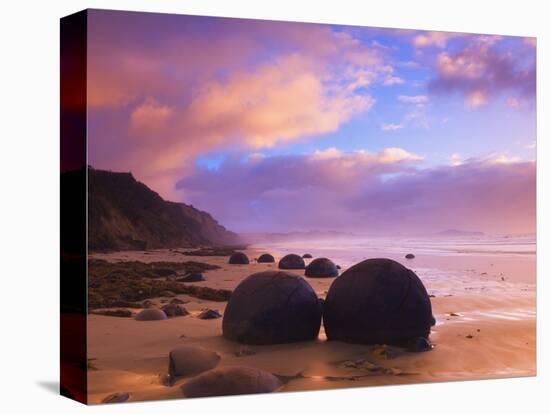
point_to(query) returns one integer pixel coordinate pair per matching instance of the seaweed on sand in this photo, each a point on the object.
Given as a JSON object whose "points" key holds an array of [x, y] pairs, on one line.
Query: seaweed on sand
{"points": [[124, 283]]}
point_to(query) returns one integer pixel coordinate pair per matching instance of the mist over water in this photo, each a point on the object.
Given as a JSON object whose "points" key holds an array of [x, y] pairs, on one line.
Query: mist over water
{"points": [[348, 251]]}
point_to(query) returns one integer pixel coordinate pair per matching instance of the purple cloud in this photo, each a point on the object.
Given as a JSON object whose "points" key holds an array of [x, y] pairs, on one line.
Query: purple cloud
{"points": [[366, 192], [482, 69]]}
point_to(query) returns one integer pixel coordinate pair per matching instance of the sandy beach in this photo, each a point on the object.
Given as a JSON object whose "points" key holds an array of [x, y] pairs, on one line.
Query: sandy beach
{"points": [[484, 303]]}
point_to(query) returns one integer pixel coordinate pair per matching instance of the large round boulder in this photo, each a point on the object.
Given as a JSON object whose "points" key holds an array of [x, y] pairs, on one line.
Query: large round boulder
{"points": [[190, 360], [151, 314], [266, 258], [321, 267], [239, 258], [292, 261], [231, 381], [377, 301], [272, 307]]}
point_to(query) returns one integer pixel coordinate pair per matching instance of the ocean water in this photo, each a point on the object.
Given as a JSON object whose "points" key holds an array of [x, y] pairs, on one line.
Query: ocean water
{"points": [[347, 251]]}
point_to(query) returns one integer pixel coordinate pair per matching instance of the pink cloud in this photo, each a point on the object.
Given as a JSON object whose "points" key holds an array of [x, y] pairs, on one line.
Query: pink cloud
{"points": [[150, 118], [438, 39], [215, 87], [482, 70]]}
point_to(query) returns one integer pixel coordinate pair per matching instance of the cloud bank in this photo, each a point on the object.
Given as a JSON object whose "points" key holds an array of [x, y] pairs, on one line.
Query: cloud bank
{"points": [[384, 192]]}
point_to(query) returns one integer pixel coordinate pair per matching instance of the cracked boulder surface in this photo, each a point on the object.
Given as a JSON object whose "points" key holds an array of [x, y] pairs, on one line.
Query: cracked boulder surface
{"points": [[377, 301], [272, 307], [231, 381], [321, 267]]}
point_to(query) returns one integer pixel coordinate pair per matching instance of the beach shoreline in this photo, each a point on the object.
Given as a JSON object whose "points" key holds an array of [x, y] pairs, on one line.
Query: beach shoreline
{"points": [[484, 304]]}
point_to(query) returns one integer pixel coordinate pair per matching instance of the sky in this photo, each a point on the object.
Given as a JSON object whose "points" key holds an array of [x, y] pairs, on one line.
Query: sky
{"points": [[280, 126]]}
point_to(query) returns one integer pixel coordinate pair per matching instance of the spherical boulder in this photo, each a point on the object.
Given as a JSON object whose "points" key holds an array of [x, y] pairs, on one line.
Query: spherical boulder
{"points": [[292, 261], [231, 381], [266, 258], [307, 256], [190, 360], [239, 258], [321, 267], [272, 307], [151, 314], [377, 301], [409, 256]]}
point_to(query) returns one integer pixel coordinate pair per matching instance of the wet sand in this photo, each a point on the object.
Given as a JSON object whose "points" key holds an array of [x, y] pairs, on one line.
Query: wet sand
{"points": [[490, 334]]}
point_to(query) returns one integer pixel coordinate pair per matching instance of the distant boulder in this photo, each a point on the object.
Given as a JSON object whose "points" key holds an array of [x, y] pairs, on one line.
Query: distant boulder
{"points": [[321, 267], [266, 258], [172, 310], [292, 261], [377, 301], [209, 314], [272, 307], [307, 256], [409, 256], [151, 314], [231, 381], [192, 277], [190, 360], [239, 258]]}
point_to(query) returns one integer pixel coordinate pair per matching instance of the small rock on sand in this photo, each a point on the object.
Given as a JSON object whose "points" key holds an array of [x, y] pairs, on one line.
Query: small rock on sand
{"points": [[192, 277], [190, 360], [151, 314], [231, 381], [117, 397], [307, 256], [209, 314], [173, 310], [409, 256]]}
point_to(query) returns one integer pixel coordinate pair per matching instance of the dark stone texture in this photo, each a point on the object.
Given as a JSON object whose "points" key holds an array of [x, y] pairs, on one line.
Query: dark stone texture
{"points": [[190, 360], [266, 258], [231, 381], [377, 301], [238, 258], [270, 308], [292, 261], [321, 267], [172, 310]]}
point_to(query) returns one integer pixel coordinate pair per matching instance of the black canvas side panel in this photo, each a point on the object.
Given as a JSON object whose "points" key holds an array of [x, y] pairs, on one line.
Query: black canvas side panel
{"points": [[73, 207]]}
